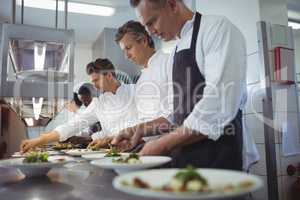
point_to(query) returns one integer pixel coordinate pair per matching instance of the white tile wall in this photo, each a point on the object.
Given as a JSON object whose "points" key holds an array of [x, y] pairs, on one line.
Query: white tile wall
{"points": [[255, 125], [285, 98], [254, 99], [253, 68], [260, 168], [283, 120], [284, 181]]}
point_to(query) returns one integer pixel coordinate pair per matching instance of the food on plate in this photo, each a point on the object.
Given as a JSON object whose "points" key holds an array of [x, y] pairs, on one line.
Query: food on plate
{"points": [[62, 146], [112, 152], [95, 148], [131, 159], [189, 180], [60, 160], [36, 157]]}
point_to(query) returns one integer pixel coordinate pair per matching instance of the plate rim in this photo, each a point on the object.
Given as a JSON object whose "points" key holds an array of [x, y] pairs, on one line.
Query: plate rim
{"points": [[165, 195], [130, 166]]}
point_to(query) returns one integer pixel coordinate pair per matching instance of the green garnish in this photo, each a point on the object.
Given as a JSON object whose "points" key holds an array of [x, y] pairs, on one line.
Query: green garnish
{"points": [[189, 174], [36, 157], [113, 152], [132, 156]]}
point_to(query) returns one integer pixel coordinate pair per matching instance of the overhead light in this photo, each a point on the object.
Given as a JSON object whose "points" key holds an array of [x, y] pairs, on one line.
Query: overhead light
{"points": [[37, 107], [39, 56], [294, 25], [81, 8], [29, 121]]}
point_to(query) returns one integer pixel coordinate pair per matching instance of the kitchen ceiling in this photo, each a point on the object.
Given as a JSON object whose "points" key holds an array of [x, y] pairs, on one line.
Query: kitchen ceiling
{"points": [[88, 27], [294, 9]]}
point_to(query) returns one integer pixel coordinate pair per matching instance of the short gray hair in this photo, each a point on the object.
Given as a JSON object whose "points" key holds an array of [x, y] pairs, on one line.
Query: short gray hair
{"points": [[137, 30], [157, 3]]}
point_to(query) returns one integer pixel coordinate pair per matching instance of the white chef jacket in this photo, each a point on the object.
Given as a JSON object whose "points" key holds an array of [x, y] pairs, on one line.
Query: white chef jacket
{"points": [[151, 96], [222, 60], [114, 111]]}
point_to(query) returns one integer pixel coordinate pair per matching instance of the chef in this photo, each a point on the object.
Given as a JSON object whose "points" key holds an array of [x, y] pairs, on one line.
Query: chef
{"points": [[208, 75], [82, 98], [114, 109], [151, 90], [151, 95]]}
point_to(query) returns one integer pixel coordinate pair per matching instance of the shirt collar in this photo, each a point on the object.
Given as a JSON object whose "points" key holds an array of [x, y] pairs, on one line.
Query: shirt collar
{"points": [[187, 27], [151, 59]]}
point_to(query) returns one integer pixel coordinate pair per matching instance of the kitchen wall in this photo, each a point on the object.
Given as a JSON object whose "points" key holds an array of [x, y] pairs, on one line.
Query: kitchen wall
{"points": [[297, 52], [83, 55], [244, 14]]}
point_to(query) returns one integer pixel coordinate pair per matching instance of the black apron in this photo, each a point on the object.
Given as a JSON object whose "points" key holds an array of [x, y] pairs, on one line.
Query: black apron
{"points": [[226, 152]]}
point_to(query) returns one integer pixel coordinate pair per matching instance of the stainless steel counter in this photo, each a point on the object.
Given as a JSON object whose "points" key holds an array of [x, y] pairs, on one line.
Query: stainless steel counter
{"points": [[80, 181]]}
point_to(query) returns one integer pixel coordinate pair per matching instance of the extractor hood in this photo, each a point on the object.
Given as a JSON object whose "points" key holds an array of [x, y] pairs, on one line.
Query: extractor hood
{"points": [[36, 62]]}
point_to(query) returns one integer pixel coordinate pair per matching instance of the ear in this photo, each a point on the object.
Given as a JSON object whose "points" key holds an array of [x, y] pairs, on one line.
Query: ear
{"points": [[109, 76], [145, 41]]}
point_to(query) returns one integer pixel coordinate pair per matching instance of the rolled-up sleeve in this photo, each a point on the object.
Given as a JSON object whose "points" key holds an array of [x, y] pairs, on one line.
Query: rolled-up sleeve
{"points": [[78, 123], [225, 73]]}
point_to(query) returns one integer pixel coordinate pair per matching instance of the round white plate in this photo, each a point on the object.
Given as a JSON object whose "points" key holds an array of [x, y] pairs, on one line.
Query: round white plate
{"points": [[80, 152], [147, 162], [36, 169], [216, 178], [100, 156], [19, 155]]}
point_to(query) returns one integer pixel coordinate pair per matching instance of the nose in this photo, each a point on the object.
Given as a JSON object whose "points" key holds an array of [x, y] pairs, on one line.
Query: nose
{"points": [[128, 55]]}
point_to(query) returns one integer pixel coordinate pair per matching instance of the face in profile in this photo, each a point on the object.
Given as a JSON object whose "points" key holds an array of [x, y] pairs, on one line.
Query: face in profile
{"points": [[133, 48], [159, 21], [85, 99], [102, 81]]}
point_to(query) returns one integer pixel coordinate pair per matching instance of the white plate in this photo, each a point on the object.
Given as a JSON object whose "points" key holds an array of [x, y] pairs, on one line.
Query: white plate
{"points": [[36, 169], [51, 153], [100, 156], [147, 162], [216, 178], [80, 152]]}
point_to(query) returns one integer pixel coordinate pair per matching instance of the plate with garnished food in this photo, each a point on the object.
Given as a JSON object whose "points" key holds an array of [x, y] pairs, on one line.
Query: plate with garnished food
{"points": [[80, 152], [23, 155], [36, 163], [110, 153], [189, 183], [131, 162]]}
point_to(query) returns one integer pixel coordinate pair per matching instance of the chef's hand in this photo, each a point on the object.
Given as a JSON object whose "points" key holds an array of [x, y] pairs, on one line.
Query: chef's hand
{"points": [[100, 143], [153, 148], [127, 139], [71, 106], [27, 145]]}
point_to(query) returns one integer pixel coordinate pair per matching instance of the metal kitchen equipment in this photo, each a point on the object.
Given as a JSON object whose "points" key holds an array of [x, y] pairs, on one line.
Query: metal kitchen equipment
{"points": [[277, 74], [36, 61]]}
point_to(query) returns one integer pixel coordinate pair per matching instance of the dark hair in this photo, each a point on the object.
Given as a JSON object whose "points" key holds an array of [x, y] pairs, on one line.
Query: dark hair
{"points": [[83, 90], [137, 30], [102, 66], [76, 99]]}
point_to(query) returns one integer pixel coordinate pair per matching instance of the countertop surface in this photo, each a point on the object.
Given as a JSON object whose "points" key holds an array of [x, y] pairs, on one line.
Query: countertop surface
{"points": [[80, 181]]}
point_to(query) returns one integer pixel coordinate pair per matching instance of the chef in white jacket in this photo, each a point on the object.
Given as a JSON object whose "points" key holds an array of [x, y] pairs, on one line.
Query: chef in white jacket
{"points": [[151, 95], [208, 75], [114, 109], [152, 98]]}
